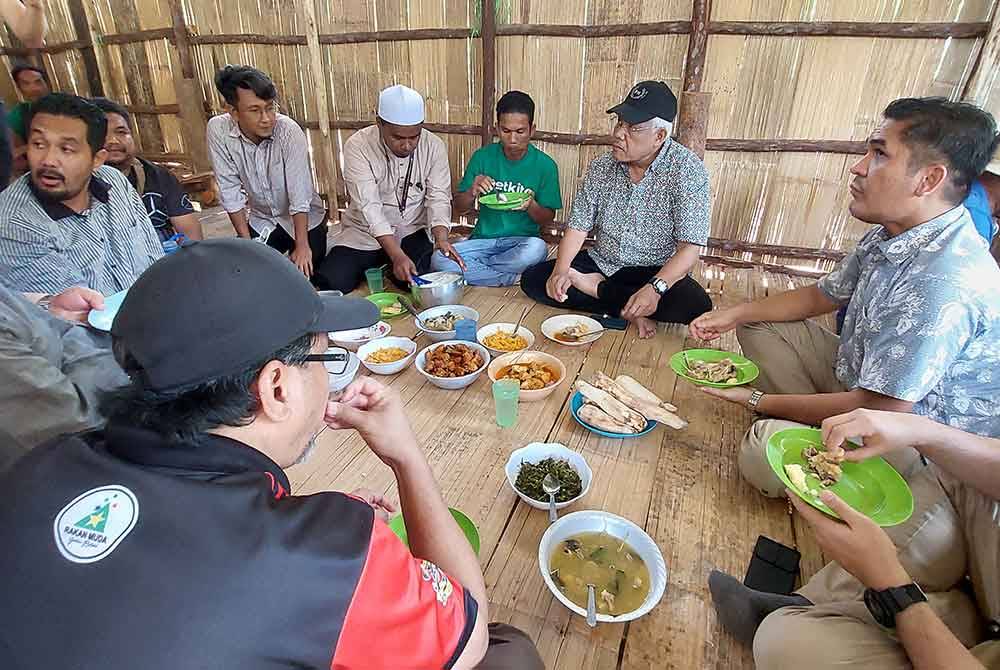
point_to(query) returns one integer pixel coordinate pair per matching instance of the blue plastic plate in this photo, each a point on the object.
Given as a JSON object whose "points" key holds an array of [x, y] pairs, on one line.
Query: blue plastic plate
{"points": [[103, 318], [576, 402]]}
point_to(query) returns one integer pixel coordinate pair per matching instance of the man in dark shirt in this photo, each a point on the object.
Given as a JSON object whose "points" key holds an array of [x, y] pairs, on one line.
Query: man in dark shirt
{"points": [[178, 518], [166, 202]]}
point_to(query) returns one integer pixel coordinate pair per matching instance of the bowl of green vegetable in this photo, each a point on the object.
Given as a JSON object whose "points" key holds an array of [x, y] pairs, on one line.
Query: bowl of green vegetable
{"points": [[527, 467]]}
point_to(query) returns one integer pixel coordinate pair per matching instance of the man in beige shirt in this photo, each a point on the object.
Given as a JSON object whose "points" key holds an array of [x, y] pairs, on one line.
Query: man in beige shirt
{"points": [[399, 185]]}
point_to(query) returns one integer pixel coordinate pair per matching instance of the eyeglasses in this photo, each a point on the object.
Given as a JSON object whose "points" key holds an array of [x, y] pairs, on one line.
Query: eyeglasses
{"points": [[338, 356], [270, 110], [630, 129]]}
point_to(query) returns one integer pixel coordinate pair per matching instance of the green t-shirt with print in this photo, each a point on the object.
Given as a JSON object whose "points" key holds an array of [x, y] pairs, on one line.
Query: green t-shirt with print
{"points": [[16, 119], [536, 172]]}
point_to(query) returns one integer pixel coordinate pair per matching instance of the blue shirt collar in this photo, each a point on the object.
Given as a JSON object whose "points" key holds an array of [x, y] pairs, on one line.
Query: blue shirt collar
{"points": [[904, 246]]}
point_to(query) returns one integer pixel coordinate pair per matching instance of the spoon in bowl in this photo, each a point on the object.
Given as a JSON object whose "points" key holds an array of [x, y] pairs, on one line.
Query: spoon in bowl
{"points": [[551, 486], [591, 606]]}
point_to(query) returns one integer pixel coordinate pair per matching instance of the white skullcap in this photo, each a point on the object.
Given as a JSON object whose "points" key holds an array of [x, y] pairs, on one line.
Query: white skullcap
{"points": [[401, 105], [994, 167]]}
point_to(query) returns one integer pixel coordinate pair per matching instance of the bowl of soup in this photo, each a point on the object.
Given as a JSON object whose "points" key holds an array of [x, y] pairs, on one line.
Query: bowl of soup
{"points": [[612, 553], [537, 372]]}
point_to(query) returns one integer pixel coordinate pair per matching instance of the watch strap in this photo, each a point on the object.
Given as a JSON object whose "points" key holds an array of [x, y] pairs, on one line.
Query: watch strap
{"points": [[755, 399], [885, 605], [658, 285]]}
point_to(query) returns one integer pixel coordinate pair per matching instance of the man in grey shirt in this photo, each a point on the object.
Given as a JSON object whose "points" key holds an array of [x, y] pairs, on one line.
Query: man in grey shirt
{"points": [[51, 369], [261, 162]]}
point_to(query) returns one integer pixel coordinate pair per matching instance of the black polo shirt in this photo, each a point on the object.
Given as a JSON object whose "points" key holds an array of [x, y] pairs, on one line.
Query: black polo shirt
{"points": [[162, 195], [135, 552]]}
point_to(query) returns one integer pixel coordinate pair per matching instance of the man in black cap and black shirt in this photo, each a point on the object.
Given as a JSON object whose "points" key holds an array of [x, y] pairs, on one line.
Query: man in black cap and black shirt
{"points": [[170, 539], [648, 204]]}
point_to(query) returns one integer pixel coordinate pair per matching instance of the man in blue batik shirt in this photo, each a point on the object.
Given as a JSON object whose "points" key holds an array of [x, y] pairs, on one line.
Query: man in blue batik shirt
{"points": [[922, 331]]}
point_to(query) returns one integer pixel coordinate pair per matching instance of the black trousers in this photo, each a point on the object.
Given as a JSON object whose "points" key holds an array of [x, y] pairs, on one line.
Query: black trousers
{"points": [[283, 242], [682, 303], [344, 267]]}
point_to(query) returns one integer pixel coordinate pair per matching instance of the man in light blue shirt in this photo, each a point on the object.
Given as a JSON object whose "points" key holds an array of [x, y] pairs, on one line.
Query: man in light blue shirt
{"points": [[922, 330]]}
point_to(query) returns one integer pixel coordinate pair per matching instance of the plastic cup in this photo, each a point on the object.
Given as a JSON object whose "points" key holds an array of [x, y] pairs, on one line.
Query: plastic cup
{"points": [[465, 329], [505, 395], [374, 278]]}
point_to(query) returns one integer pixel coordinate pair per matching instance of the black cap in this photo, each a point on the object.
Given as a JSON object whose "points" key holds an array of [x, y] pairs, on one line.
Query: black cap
{"points": [[214, 307], [646, 100]]}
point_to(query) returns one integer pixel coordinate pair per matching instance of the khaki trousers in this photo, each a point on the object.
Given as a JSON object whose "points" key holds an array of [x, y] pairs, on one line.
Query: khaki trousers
{"points": [[954, 532], [510, 649]]}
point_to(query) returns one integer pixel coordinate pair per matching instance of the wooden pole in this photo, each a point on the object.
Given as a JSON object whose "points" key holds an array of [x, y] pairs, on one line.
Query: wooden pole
{"points": [[78, 15], [692, 122], [100, 51], [977, 86], [488, 34], [190, 96], [324, 153]]}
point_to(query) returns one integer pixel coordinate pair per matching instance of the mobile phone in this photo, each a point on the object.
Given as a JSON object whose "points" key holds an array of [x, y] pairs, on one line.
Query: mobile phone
{"points": [[773, 567], [610, 322]]}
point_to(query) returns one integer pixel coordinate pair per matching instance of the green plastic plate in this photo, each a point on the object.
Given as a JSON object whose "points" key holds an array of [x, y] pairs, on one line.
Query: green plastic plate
{"points": [[492, 200], [873, 487], [746, 370], [397, 526], [383, 300]]}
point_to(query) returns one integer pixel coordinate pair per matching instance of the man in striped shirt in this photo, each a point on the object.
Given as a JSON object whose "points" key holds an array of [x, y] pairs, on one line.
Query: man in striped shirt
{"points": [[72, 221]]}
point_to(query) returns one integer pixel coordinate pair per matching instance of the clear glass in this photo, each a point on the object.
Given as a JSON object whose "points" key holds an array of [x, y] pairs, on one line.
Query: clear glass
{"points": [[506, 393], [374, 278], [465, 329]]}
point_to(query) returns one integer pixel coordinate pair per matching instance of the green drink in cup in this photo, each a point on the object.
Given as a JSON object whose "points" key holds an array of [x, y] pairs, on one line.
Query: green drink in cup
{"points": [[505, 394], [374, 278]]}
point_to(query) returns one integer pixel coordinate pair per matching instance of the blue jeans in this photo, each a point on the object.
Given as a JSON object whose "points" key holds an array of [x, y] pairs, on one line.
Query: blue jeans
{"points": [[494, 262]]}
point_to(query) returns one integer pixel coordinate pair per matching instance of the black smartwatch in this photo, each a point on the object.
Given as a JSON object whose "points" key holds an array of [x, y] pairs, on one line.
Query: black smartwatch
{"points": [[885, 605], [659, 285]]}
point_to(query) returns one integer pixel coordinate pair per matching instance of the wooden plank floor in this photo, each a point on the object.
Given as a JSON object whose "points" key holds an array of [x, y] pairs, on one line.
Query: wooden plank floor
{"points": [[683, 487]]}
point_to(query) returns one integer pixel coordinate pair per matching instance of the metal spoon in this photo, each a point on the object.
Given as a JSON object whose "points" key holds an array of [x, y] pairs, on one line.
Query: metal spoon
{"points": [[551, 486], [576, 338], [416, 315], [591, 607], [517, 326]]}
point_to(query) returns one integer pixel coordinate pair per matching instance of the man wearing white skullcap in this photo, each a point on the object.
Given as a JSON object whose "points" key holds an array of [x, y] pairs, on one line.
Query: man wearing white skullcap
{"points": [[399, 185]]}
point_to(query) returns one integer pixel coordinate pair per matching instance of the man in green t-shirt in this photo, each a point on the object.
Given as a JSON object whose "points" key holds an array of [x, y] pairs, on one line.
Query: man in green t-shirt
{"points": [[506, 243]]}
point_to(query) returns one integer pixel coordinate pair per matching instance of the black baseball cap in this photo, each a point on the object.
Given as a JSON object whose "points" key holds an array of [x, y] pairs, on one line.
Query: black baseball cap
{"points": [[214, 307], [646, 100]]}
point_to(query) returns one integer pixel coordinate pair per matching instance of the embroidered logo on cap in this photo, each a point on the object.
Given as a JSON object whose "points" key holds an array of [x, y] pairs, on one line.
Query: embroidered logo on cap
{"points": [[638, 93], [90, 527]]}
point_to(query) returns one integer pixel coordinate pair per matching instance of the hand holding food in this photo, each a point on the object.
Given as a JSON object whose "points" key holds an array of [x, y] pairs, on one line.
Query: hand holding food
{"points": [[857, 544], [882, 432], [557, 285], [711, 325], [482, 185]]}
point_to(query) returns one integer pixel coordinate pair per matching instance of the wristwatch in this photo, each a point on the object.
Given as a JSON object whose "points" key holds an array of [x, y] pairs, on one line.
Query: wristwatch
{"points": [[45, 301], [755, 399], [659, 285], [885, 605]]}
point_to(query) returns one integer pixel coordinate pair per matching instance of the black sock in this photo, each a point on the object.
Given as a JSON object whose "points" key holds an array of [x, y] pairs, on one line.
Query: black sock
{"points": [[741, 609]]}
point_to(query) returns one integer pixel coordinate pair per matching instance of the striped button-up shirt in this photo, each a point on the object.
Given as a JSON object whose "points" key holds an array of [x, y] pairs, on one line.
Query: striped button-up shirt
{"points": [[273, 178], [47, 247]]}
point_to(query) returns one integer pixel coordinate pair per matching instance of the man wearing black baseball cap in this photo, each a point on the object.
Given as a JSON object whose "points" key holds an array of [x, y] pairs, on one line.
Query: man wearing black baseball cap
{"points": [[169, 539], [647, 203]]}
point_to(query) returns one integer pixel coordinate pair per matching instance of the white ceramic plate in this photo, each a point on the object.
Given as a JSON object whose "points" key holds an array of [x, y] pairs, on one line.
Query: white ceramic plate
{"points": [[352, 339], [594, 521], [103, 318], [538, 451], [554, 324]]}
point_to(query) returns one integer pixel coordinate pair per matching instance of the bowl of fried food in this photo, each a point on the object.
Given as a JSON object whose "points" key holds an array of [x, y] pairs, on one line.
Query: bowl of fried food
{"points": [[527, 467], [501, 339], [539, 373], [388, 355], [452, 365]]}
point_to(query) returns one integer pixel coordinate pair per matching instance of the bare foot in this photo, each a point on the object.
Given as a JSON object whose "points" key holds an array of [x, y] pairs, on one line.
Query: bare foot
{"points": [[586, 283], [645, 326]]}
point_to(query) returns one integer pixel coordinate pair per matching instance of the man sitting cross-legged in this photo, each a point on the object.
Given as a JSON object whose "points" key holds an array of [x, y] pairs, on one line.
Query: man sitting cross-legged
{"points": [[506, 243], [179, 517], [863, 610], [72, 221], [922, 331], [647, 202]]}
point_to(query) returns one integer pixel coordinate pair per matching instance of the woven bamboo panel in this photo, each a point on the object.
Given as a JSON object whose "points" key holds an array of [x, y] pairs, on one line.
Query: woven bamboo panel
{"points": [[851, 10]]}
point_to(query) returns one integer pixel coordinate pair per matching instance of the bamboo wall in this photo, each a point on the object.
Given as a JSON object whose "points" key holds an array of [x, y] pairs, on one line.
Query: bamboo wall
{"points": [[812, 82]]}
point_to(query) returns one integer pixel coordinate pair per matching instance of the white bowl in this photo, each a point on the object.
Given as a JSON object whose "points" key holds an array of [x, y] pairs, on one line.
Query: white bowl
{"points": [[525, 395], [554, 324], [339, 382], [366, 350], [352, 339], [537, 452], [452, 383], [442, 335], [492, 328], [594, 521]]}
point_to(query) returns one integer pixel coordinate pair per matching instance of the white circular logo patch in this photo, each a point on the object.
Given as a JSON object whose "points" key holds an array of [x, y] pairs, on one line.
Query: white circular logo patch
{"points": [[638, 94], [89, 528]]}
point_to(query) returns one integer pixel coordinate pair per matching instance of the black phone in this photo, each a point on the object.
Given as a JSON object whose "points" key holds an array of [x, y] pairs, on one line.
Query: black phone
{"points": [[773, 567], [610, 322]]}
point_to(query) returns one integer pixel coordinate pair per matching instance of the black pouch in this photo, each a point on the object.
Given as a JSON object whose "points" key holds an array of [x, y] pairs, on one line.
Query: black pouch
{"points": [[773, 567]]}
